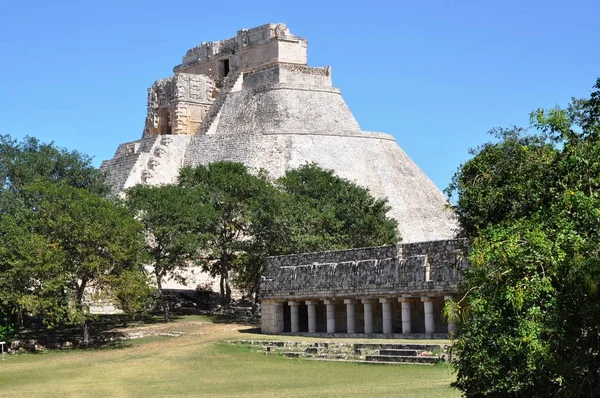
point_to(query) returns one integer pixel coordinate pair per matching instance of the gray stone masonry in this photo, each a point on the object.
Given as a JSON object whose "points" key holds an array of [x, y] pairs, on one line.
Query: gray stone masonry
{"points": [[383, 292], [407, 269]]}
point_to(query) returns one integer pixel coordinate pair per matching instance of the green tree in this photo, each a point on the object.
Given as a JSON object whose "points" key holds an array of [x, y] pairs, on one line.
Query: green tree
{"points": [[23, 163], [307, 209], [236, 196], [28, 161], [326, 212], [66, 242], [175, 220], [530, 205]]}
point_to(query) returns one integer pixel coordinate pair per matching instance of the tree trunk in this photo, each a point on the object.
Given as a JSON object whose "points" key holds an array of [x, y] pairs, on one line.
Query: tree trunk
{"points": [[222, 288], [161, 296], [20, 317], [256, 296], [225, 288], [86, 333], [84, 326], [256, 302]]}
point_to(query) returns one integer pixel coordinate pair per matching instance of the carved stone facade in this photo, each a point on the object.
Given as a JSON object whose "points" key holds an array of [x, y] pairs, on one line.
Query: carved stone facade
{"points": [[392, 290], [178, 104]]}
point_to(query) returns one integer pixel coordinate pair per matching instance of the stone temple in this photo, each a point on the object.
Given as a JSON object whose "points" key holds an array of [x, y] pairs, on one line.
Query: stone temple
{"points": [[394, 291], [253, 99]]}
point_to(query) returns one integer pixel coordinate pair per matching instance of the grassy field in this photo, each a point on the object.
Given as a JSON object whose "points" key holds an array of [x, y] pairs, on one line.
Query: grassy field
{"points": [[200, 364]]}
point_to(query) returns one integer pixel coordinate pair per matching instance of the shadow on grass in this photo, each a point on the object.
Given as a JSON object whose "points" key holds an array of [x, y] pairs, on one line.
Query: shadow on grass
{"points": [[109, 345], [254, 330], [101, 328], [237, 318]]}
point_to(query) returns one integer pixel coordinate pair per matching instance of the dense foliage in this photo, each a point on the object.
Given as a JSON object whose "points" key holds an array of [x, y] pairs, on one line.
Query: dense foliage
{"points": [[174, 221], [308, 209], [30, 160], [326, 212], [59, 239], [529, 324], [64, 245], [243, 204]]}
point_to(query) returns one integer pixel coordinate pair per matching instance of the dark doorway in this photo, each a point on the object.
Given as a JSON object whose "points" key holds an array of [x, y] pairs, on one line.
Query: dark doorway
{"points": [[223, 67], [164, 121]]}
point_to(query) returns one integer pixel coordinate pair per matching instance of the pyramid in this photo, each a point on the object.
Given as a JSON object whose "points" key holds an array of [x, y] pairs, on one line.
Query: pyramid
{"points": [[253, 99]]}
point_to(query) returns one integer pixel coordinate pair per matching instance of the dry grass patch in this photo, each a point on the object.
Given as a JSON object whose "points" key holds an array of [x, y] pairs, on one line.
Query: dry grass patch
{"points": [[198, 364]]}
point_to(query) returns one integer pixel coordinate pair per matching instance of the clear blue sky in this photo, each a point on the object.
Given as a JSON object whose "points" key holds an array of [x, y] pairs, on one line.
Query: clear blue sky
{"points": [[435, 74]]}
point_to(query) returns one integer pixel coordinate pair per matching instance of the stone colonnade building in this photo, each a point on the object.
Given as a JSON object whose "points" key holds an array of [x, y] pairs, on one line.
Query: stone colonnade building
{"points": [[396, 291]]}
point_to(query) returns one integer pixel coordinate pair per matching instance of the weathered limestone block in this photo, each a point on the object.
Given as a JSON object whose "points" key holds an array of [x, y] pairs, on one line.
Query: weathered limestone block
{"points": [[381, 276]]}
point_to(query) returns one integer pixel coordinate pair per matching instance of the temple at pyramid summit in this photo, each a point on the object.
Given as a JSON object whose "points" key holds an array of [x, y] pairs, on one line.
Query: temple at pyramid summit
{"points": [[253, 99]]}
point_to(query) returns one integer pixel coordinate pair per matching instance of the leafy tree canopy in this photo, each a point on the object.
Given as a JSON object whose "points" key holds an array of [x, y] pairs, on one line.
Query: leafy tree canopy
{"points": [[59, 236], [307, 209], [30, 160], [326, 212], [65, 243], [239, 200], [175, 221], [530, 203]]}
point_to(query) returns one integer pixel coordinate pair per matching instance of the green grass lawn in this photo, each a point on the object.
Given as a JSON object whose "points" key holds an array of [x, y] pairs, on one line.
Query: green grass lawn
{"points": [[199, 364]]}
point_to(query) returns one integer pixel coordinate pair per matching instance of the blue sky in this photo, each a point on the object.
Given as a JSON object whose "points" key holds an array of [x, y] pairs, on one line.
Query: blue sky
{"points": [[437, 75]]}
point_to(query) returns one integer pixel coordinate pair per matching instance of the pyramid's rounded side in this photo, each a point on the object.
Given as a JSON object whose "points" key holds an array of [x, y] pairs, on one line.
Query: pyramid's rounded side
{"points": [[285, 125], [373, 160]]}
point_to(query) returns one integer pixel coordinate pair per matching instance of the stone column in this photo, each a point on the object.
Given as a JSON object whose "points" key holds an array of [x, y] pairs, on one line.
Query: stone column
{"points": [[312, 316], [368, 308], [350, 315], [451, 325], [429, 319], [406, 324], [386, 306], [330, 315], [294, 316], [279, 317]]}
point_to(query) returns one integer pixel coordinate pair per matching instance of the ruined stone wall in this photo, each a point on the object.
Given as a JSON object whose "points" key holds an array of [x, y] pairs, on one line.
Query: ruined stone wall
{"points": [[178, 104], [205, 51], [245, 38], [250, 49], [438, 252], [153, 160], [293, 51], [334, 256], [301, 75], [128, 161], [271, 317], [374, 271], [295, 75]]}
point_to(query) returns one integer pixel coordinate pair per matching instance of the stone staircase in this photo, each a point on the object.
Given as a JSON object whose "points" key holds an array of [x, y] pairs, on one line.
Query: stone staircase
{"points": [[230, 81], [371, 353]]}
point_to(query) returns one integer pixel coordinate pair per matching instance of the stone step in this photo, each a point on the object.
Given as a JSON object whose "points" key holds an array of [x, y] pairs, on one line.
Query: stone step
{"points": [[404, 359], [407, 346], [400, 353], [397, 363], [365, 362], [333, 356]]}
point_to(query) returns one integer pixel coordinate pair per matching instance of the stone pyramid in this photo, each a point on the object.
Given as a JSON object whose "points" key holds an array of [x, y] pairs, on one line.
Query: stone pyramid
{"points": [[253, 99]]}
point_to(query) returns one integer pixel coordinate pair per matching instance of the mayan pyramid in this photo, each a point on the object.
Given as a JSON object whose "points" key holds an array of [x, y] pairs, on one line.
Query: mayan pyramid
{"points": [[253, 99]]}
